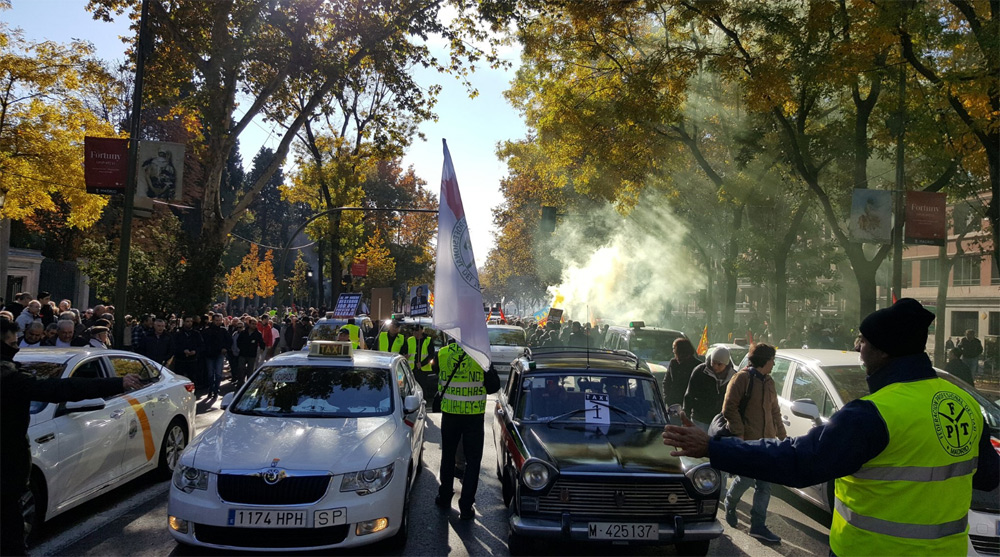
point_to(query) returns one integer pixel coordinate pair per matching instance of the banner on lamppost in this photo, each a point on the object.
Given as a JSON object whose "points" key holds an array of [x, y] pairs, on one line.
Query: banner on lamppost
{"points": [[359, 268], [105, 165], [871, 216], [925, 218], [160, 170]]}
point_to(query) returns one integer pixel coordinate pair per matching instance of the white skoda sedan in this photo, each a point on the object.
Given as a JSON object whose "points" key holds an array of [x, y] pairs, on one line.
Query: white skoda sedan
{"points": [[318, 450], [82, 449]]}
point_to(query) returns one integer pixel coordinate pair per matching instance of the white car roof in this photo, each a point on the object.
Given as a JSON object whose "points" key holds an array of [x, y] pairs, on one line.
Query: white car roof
{"points": [[361, 358], [821, 357], [505, 327], [62, 355]]}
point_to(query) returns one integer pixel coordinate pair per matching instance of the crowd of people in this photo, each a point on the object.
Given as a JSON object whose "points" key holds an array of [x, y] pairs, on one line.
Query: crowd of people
{"points": [[199, 347]]}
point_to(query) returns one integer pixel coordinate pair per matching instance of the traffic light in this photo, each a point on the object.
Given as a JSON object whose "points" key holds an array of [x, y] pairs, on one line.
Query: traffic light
{"points": [[548, 223]]}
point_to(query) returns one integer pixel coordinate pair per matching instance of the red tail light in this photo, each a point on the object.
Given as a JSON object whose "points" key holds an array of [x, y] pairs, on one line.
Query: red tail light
{"points": [[996, 444], [189, 387]]}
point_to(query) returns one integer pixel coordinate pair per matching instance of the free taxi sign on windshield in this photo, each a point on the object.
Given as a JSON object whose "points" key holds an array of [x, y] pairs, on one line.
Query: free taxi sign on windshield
{"points": [[331, 349]]}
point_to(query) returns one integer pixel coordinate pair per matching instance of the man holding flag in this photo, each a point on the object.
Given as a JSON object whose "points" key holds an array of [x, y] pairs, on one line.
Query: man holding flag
{"points": [[458, 314]]}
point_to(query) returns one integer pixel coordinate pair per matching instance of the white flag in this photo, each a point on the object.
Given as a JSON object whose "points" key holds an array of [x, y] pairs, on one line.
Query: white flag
{"points": [[458, 301]]}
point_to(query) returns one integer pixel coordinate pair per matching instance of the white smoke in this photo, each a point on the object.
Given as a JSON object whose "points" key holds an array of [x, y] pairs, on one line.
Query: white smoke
{"points": [[633, 274]]}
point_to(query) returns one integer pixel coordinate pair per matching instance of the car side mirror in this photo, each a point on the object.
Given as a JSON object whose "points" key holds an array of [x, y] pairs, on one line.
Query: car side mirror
{"points": [[227, 399], [411, 403], [87, 405], [806, 408]]}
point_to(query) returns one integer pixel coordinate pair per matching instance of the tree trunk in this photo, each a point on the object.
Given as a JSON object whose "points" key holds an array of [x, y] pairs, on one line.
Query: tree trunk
{"points": [[729, 270], [320, 244], [940, 332], [204, 266], [336, 267]]}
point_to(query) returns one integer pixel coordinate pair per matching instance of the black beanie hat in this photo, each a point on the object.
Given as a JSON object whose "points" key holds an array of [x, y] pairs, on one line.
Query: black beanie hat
{"points": [[900, 329]]}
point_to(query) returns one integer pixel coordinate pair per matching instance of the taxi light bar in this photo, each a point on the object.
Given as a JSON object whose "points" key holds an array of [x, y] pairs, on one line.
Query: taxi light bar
{"points": [[636, 324], [331, 349]]}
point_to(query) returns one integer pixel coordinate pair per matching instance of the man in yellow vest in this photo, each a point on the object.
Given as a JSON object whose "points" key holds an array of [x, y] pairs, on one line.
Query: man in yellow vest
{"points": [[905, 458], [420, 348], [355, 333], [393, 340], [463, 406]]}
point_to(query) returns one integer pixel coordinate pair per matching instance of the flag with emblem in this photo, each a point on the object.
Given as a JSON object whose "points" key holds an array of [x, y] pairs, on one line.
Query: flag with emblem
{"points": [[456, 280]]}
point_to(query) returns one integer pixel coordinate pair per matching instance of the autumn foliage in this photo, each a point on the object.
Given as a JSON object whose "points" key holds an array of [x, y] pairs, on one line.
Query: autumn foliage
{"points": [[253, 277]]}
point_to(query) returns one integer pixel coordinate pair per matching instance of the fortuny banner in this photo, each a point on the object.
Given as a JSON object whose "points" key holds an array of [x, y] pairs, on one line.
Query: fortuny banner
{"points": [[105, 165], [925, 218]]}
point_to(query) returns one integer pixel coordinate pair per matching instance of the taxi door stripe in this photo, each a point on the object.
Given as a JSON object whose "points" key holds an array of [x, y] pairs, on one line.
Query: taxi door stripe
{"points": [[147, 435]]}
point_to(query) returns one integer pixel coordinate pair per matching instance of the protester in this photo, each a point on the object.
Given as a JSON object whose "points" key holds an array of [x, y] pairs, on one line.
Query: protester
{"points": [[187, 348], [159, 345], [28, 315], [248, 341], [971, 349], [903, 468], [679, 370], [33, 336], [17, 391], [66, 335], [706, 390], [217, 343], [957, 367]]}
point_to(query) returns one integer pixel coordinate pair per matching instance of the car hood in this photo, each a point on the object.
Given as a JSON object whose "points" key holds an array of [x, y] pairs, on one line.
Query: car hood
{"points": [[240, 442], [571, 448]]}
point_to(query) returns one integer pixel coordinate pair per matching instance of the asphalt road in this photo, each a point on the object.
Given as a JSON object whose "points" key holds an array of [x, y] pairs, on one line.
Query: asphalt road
{"points": [[131, 521]]}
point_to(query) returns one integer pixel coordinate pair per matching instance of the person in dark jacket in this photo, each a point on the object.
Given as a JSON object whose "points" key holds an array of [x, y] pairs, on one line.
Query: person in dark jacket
{"points": [[971, 349], [301, 333], [187, 348], [248, 341], [17, 390], [217, 343], [893, 350], [158, 346], [706, 389], [957, 367], [679, 370]]}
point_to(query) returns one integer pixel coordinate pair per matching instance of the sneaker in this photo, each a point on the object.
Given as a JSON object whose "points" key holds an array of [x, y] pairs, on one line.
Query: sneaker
{"points": [[731, 519], [764, 535]]}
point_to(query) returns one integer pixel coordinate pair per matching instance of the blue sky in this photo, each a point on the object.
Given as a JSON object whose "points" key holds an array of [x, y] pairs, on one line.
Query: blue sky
{"points": [[473, 127]]}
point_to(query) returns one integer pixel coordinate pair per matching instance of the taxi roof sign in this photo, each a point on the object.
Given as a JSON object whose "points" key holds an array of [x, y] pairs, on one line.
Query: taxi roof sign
{"points": [[637, 324], [330, 349]]}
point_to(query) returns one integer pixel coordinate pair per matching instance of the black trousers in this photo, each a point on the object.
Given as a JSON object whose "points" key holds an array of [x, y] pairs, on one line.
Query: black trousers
{"points": [[469, 429], [11, 521]]}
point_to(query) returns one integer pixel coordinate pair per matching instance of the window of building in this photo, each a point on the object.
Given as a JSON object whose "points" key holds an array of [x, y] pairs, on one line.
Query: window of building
{"points": [[930, 272], [994, 324], [962, 321], [967, 270]]}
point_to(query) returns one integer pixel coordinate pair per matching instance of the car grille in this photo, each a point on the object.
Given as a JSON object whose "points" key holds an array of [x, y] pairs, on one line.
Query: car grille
{"points": [[271, 537], [618, 499], [985, 545], [253, 490]]}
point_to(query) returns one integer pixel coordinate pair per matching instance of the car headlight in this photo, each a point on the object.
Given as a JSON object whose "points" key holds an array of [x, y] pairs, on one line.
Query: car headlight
{"points": [[535, 474], [368, 481], [705, 479], [189, 478]]}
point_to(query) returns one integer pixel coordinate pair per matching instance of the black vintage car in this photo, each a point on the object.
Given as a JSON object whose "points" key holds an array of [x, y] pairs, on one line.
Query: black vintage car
{"points": [[580, 457]]}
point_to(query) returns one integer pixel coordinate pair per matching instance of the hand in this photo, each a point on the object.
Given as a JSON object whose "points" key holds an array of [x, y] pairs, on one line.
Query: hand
{"points": [[131, 382], [687, 439]]}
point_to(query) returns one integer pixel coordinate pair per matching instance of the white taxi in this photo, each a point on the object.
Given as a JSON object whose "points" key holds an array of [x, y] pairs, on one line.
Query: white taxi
{"points": [[318, 450], [82, 449]]}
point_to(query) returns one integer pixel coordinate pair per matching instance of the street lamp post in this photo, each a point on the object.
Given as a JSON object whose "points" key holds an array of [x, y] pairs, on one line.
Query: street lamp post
{"points": [[309, 278]]}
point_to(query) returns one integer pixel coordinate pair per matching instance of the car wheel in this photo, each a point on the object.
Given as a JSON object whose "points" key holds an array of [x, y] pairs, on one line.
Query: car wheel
{"points": [[33, 507], [507, 488], [698, 548], [174, 441]]}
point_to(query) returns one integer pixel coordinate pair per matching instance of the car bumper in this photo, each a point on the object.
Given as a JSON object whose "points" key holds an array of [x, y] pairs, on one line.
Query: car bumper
{"points": [[579, 530], [984, 533], [203, 520]]}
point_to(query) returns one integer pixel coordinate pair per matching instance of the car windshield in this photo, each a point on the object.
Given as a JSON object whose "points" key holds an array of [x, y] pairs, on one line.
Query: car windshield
{"points": [[508, 337], [656, 346], [325, 392], [850, 381], [41, 370], [583, 399]]}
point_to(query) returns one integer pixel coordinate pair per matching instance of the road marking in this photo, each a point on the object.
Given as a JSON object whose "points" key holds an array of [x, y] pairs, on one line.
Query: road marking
{"points": [[56, 544]]}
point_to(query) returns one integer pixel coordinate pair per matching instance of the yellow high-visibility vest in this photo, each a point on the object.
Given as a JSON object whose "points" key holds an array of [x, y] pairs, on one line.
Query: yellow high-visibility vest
{"points": [[383, 342], [912, 499], [465, 393]]}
